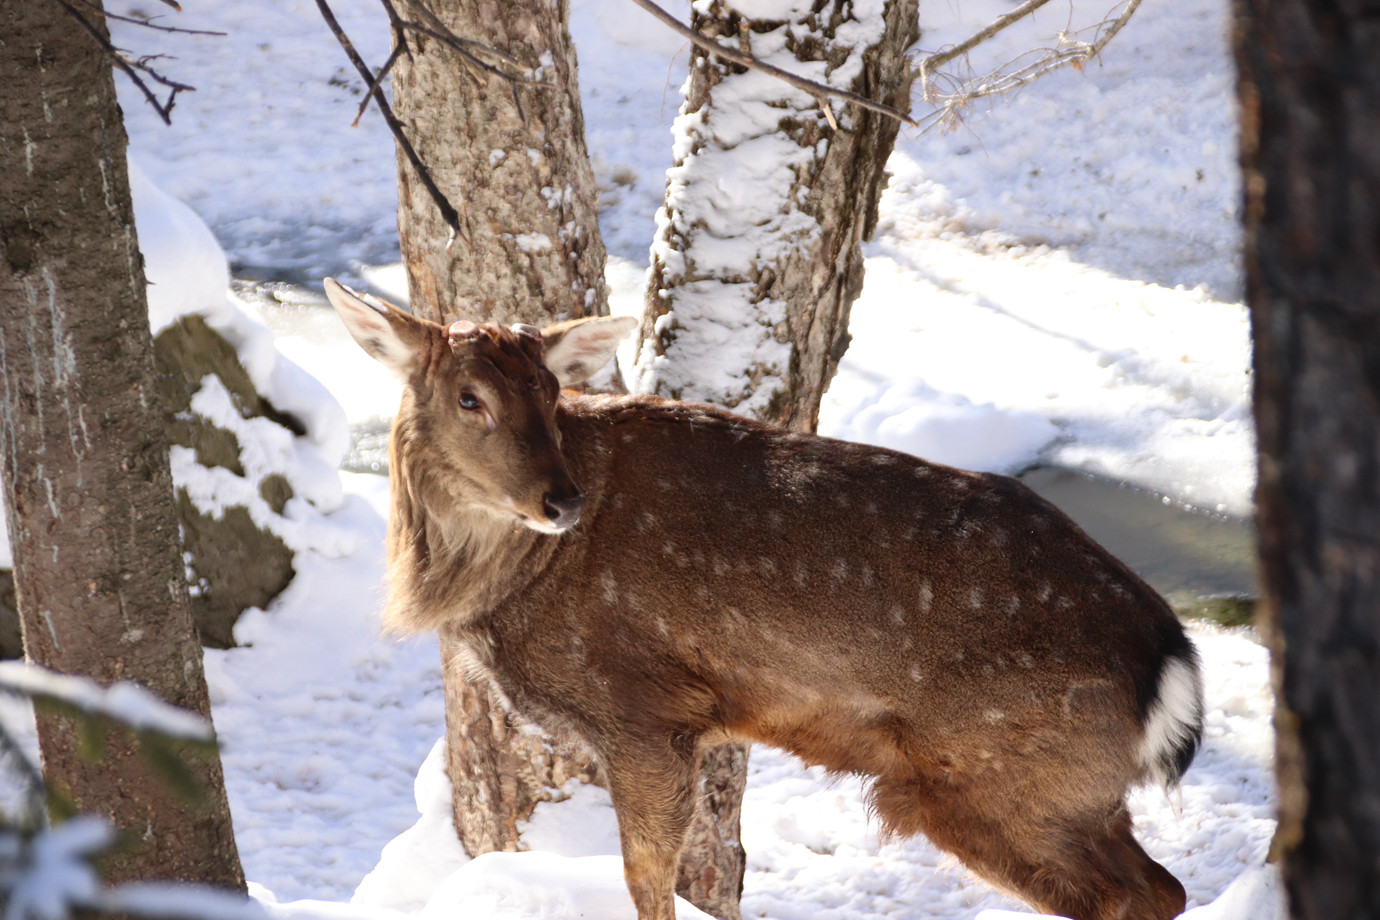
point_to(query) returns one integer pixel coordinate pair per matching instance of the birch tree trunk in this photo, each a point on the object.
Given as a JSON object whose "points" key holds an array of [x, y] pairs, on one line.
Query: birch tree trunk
{"points": [[1310, 94], [98, 564], [757, 262], [518, 172]]}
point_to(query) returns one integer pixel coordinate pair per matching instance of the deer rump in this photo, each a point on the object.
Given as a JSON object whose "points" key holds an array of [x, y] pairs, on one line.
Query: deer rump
{"points": [[1001, 677]]}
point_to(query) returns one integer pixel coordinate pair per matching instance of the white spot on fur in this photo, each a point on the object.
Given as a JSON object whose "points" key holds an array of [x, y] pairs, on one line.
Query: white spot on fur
{"points": [[975, 597], [610, 586], [915, 673], [898, 613], [994, 715], [926, 596], [839, 570]]}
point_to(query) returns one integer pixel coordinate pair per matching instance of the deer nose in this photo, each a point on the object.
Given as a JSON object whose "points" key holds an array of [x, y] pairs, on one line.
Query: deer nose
{"points": [[563, 511]]}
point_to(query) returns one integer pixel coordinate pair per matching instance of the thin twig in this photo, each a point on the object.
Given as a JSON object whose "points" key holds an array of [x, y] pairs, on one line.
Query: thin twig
{"points": [[149, 23], [1076, 54], [438, 29], [132, 68], [377, 81], [468, 50], [818, 90], [448, 212], [940, 58]]}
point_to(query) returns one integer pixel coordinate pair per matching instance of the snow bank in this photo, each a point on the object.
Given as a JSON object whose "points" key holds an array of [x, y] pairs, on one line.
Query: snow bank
{"points": [[188, 275]]}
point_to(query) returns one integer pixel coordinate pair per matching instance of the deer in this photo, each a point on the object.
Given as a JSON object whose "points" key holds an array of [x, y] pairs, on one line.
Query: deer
{"points": [[659, 576]]}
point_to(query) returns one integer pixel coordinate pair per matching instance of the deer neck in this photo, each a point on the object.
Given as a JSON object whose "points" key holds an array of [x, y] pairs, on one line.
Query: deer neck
{"points": [[450, 561]]}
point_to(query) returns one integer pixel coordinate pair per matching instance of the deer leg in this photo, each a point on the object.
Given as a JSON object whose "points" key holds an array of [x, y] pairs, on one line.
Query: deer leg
{"points": [[652, 786], [1084, 866]]}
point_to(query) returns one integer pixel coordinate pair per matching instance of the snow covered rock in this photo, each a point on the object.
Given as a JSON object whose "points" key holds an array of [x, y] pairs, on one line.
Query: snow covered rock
{"points": [[255, 442]]}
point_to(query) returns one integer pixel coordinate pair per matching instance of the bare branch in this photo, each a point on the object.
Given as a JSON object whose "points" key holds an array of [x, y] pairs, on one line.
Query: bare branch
{"points": [[1071, 52], [819, 91], [438, 30], [132, 67], [398, 50], [468, 50], [448, 212], [939, 59], [149, 23]]}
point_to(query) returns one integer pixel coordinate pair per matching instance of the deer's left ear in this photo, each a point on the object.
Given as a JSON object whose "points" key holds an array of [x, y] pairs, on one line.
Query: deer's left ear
{"points": [[577, 348]]}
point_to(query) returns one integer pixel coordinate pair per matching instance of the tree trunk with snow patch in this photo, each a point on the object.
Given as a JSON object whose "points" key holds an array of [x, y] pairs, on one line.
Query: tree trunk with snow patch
{"points": [[758, 259], [519, 174], [512, 162], [98, 566]]}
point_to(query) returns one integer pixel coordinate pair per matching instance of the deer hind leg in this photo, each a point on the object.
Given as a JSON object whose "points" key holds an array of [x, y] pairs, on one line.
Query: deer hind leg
{"points": [[652, 787], [1082, 866]]}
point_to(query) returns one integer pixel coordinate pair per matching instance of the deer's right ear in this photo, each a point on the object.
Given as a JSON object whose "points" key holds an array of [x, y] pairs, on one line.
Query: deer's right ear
{"points": [[381, 329]]}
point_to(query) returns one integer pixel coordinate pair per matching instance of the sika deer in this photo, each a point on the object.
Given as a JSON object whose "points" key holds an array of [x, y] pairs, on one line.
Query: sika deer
{"points": [[660, 576]]}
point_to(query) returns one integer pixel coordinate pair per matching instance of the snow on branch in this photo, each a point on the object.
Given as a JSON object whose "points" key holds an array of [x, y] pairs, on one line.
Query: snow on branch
{"points": [[952, 94], [124, 701], [49, 875]]}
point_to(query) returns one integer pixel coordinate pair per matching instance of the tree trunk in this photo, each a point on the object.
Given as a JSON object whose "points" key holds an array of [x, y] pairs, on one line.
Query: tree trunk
{"points": [[519, 173], [756, 265], [1310, 94], [516, 169], [758, 258], [98, 567]]}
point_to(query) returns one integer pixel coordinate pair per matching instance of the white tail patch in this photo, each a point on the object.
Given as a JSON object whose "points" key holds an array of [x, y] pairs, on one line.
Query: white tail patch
{"points": [[1174, 723]]}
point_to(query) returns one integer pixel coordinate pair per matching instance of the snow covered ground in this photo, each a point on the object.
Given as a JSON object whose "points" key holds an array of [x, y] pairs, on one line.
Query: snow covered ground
{"points": [[1056, 281]]}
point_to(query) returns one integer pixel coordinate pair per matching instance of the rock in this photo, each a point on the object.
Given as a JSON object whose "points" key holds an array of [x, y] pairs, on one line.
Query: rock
{"points": [[232, 562]]}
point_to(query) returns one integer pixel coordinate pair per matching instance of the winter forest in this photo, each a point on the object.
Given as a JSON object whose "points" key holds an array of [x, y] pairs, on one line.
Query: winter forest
{"points": [[1123, 253]]}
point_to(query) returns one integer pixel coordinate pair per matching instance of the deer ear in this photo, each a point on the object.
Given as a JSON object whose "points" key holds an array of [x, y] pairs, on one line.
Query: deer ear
{"points": [[575, 349], [388, 334]]}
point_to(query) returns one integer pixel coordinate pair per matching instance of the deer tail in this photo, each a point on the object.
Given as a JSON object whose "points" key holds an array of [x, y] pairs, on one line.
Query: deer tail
{"points": [[1173, 720]]}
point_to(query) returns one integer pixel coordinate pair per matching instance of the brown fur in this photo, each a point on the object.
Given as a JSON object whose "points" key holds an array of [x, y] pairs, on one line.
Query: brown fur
{"points": [[948, 633]]}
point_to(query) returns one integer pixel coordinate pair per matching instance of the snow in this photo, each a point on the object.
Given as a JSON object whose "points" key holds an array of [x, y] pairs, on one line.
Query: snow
{"points": [[1056, 281]]}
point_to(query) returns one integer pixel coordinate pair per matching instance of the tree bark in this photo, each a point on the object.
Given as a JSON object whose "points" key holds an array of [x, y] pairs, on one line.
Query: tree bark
{"points": [[512, 162], [768, 280], [98, 566], [1310, 94]]}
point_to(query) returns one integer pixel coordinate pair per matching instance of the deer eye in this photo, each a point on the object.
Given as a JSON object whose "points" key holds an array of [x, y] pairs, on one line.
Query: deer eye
{"points": [[469, 401]]}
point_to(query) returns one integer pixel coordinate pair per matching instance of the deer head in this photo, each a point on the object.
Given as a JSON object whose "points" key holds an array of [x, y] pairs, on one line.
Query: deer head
{"points": [[480, 401]]}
